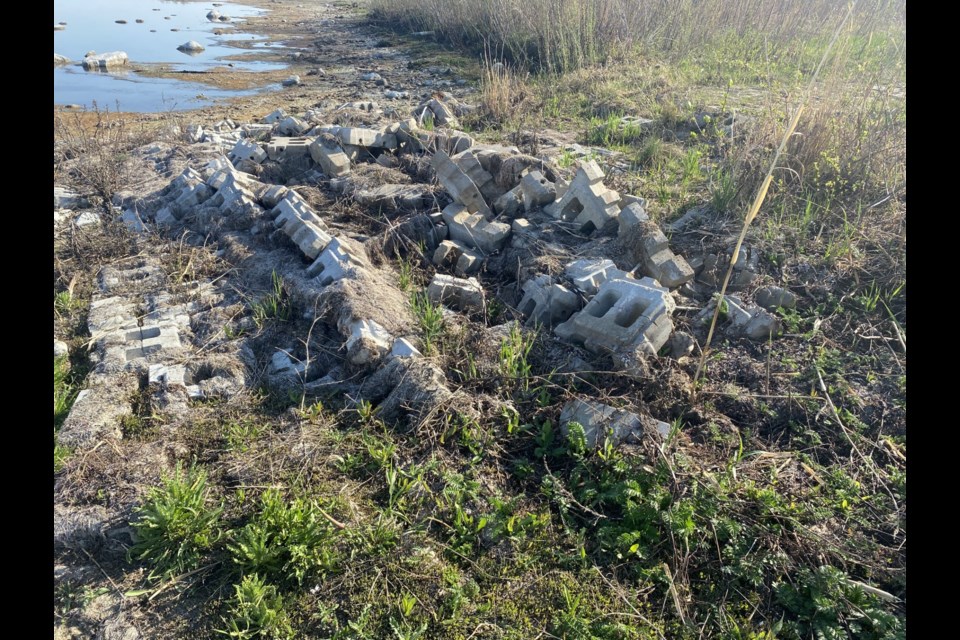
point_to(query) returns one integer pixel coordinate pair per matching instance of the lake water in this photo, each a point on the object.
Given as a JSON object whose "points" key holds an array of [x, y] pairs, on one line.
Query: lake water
{"points": [[91, 26]]}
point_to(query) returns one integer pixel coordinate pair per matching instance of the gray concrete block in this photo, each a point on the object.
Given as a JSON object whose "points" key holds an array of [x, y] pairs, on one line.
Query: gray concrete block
{"points": [[588, 274], [285, 149], [473, 229], [332, 160], [601, 422], [772, 297], [456, 292], [341, 258], [536, 191], [403, 348], [631, 216], [546, 303], [587, 203], [274, 116], [393, 197], [624, 315], [291, 126], [459, 184], [247, 150], [367, 343]]}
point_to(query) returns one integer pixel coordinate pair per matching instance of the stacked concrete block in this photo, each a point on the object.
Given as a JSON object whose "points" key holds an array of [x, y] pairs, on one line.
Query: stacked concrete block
{"points": [[473, 229], [288, 149], [587, 202], [624, 316], [536, 191], [546, 303], [442, 114], [456, 292], [340, 259], [272, 195], [257, 132], [302, 225], [459, 184], [658, 261], [452, 255], [235, 195], [589, 274], [332, 160], [194, 133]]}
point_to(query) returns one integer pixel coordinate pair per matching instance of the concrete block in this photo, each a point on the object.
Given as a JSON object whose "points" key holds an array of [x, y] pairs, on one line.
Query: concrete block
{"points": [[393, 197], [589, 274], [510, 203], [63, 198], [272, 196], [447, 253], [285, 149], [469, 263], [473, 229], [166, 376], [87, 218], [257, 132], [333, 161], [657, 260], [301, 225], [631, 216], [291, 126], [600, 422], [359, 137], [403, 348], [624, 316], [281, 363], [772, 297], [340, 259], [247, 150], [274, 116], [104, 61], [132, 221], [536, 191], [546, 303], [455, 292], [587, 202], [459, 184], [442, 114], [761, 326], [367, 343], [470, 165]]}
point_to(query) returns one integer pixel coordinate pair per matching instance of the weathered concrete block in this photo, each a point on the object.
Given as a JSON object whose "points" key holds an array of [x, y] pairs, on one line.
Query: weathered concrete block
{"points": [[367, 343], [291, 126], [656, 258], [510, 203], [587, 202], [403, 348], [772, 297], [103, 61], [588, 274], [333, 161], [302, 225], [536, 191], [284, 149], [370, 138], [631, 216], [455, 292], [459, 184], [340, 259], [274, 116], [470, 165], [625, 315], [547, 303], [272, 196], [473, 229], [247, 150], [600, 422], [442, 114]]}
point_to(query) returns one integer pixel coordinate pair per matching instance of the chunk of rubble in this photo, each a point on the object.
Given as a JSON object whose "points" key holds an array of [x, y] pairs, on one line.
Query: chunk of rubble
{"points": [[291, 126], [456, 292], [474, 230], [284, 149], [587, 203], [631, 216], [368, 342], [602, 422], [625, 316], [462, 260], [536, 191], [247, 150], [291, 81], [546, 303], [274, 116]]}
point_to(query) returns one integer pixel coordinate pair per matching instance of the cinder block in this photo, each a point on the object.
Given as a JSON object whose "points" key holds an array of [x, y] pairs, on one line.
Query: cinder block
{"points": [[546, 303], [340, 259], [536, 191], [456, 292], [588, 274], [587, 202], [473, 229], [459, 184], [247, 150], [333, 161]]}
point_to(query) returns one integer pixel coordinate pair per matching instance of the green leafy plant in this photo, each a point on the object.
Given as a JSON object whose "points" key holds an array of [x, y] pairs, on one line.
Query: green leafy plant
{"points": [[256, 611], [176, 525], [514, 353], [273, 305]]}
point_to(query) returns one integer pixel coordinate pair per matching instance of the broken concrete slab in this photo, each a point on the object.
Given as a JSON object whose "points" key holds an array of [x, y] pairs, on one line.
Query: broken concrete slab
{"points": [[546, 303], [459, 184], [587, 203], [301, 224], [463, 294], [64, 198], [104, 61], [624, 316], [473, 229], [483, 179], [274, 116]]}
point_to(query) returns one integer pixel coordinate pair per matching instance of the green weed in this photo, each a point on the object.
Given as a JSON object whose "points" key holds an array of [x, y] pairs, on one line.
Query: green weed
{"points": [[256, 612]]}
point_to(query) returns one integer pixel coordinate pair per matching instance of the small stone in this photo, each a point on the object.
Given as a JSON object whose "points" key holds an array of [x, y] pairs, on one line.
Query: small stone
{"points": [[772, 297], [292, 81]]}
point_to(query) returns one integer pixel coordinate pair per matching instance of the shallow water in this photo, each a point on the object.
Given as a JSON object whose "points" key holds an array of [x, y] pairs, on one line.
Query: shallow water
{"points": [[91, 26]]}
